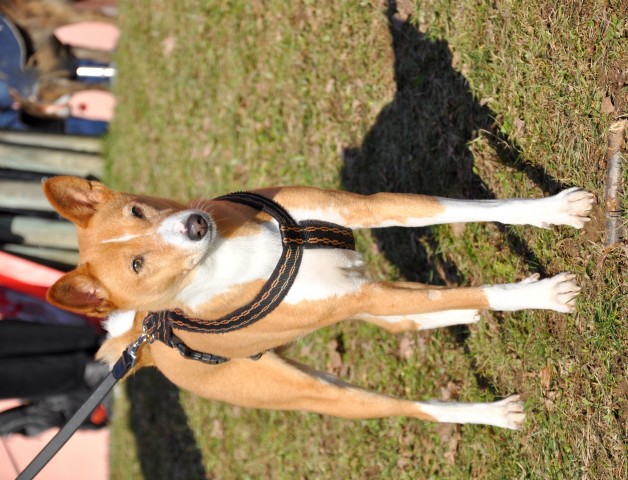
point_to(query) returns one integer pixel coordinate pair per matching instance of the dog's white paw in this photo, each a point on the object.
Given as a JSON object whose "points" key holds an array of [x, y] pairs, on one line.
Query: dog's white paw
{"points": [[508, 413], [569, 207], [557, 293]]}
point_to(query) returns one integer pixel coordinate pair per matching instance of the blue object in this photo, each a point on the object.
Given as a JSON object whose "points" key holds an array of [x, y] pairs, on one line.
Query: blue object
{"points": [[12, 58], [9, 118], [82, 126], [12, 49]]}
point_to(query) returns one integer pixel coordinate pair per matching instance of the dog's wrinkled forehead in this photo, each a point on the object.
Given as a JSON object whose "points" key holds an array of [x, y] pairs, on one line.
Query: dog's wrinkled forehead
{"points": [[131, 224], [123, 219]]}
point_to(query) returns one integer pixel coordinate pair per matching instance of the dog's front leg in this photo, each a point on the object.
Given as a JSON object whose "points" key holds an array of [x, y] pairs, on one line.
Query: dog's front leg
{"points": [[274, 383]]}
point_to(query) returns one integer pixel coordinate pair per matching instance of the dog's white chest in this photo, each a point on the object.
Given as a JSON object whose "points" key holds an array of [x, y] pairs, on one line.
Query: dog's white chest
{"points": [[323, 272], [326, 273]]}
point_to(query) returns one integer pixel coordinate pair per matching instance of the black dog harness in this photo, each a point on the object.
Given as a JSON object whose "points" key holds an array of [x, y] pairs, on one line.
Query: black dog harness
{"points": [[295, 236]]}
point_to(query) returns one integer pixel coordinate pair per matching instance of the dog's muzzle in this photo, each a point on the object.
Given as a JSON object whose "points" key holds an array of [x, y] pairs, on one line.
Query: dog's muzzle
{"points": [[196, 227]]}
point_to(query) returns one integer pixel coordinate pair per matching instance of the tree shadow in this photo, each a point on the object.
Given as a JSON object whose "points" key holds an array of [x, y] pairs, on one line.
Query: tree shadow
{"points": [[165, 443], [420, 144]]}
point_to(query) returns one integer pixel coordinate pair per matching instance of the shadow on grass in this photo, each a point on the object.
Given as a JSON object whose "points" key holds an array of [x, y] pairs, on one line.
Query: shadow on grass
{"points": [[165, 443], [420, 144]]}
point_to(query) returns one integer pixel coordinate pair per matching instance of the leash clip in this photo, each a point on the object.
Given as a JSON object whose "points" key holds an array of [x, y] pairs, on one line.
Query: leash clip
{"points": [[128, 358], [133, 349]]}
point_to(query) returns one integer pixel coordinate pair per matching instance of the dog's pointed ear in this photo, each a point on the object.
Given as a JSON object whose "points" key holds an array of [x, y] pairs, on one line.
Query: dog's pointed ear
{"points": [[80, 292], [75, 198]]}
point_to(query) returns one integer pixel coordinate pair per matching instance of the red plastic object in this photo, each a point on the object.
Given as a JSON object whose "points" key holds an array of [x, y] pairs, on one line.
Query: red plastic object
{"points": [[31, 278], [25, 276]]}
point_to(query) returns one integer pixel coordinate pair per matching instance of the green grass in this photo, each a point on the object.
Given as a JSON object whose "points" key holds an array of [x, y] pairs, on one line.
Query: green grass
{"points": [[466, 99]]}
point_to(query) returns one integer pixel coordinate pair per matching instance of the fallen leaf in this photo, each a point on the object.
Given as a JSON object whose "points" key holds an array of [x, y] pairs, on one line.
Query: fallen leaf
{"points": [[607, 106], [452, 446], [546, 377], [450, 392], [519, 127]]}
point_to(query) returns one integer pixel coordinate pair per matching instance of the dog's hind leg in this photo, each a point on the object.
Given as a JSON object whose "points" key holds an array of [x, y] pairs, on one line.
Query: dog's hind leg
{"points": [[569, 207], [274, 383]]}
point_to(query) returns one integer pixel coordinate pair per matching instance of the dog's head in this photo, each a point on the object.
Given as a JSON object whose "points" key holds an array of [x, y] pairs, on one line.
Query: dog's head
{"points": [[135, 251]]}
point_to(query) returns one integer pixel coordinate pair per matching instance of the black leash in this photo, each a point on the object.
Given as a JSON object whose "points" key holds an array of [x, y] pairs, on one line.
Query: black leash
{"points": [[120, 369]]}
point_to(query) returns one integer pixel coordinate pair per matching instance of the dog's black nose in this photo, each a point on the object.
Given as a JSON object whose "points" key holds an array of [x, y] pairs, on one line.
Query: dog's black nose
{"points": [[196, 226]]}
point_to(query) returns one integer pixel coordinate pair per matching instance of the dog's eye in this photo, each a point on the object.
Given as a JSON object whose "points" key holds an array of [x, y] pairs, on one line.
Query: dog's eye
{"points": [[138, 263], [137, 212]]}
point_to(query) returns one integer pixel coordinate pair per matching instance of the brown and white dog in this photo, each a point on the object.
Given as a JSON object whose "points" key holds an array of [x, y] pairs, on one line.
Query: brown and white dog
{"points": [[141, 253]]}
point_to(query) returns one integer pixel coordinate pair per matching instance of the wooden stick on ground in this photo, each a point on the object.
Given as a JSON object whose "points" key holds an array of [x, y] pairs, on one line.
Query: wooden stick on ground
{"points": [[613, 179]]}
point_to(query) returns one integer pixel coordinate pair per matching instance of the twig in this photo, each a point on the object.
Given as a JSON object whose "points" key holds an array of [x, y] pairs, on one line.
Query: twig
{"points": [[613, 176]]}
